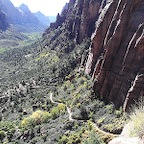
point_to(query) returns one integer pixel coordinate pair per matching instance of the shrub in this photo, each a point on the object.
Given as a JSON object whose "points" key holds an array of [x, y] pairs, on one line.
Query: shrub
{"points": [[7, 126], [37, 117], [61, 107], [63, 140], [54, 112]]}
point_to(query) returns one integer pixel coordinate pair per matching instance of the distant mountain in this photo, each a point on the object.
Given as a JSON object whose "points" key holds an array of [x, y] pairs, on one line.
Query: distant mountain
{"points": [[24, 8], [13, 15], [28, 16], [42, 18], [21, 18], [52, 18]]}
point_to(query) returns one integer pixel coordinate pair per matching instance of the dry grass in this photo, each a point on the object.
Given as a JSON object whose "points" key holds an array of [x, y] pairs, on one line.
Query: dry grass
{"points": [[137, 118]]}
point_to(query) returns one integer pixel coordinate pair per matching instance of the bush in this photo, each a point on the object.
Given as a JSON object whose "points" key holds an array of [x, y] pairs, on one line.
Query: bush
{"points": [[61, 107], [63, 140], [54, 112], [37, 117]]}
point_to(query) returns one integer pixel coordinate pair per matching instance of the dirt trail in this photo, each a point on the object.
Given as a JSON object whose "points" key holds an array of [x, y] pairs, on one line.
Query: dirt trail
{"points": [[93, 124], [68, 109]]}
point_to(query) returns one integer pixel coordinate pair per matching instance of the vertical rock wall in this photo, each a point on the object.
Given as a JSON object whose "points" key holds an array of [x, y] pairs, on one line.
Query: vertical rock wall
{"points": [[116, 56]]}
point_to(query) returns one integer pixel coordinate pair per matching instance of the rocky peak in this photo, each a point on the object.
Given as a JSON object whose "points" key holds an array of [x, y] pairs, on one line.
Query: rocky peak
{"points": [[65, 7], [24, 8]]}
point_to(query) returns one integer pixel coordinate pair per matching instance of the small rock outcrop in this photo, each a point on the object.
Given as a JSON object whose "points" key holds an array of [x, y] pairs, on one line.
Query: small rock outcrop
{"points": [[125, 138], [122, 140]]}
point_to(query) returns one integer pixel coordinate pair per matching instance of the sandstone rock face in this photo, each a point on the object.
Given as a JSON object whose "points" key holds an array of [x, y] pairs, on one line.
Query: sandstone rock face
{"points": [[116, 55], [27, 15]]}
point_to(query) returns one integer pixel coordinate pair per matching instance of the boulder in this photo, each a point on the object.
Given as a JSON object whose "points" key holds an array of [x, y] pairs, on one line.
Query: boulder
{"points": [[123, 140]]}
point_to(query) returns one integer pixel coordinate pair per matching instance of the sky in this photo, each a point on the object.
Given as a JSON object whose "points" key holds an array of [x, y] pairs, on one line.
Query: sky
{"points": [[47, 7]]}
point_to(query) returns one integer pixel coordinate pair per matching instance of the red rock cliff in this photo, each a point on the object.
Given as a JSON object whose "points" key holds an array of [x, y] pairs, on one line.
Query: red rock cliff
{"points": [[116, 55]]}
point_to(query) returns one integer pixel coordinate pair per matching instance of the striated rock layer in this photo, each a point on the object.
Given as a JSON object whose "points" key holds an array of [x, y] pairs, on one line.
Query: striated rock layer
{"points": [[116, 55]]}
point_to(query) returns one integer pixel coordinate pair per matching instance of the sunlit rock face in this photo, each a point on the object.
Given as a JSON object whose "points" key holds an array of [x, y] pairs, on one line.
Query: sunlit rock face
{"points": [[116, 56]]}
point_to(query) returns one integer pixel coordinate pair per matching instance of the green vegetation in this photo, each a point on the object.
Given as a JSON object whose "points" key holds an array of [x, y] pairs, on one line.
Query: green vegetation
{"points": [[30, 71], [84, 136], [2, 135], [7, 129], [2, 50], [12, 39], [93, 139], [37, 117]]}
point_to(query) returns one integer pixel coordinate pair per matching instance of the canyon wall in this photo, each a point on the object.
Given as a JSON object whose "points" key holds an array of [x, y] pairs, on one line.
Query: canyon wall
{"points": [[116, 54]]}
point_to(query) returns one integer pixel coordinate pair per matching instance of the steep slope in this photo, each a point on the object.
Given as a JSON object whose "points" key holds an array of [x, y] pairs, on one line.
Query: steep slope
{"points": [[24, 8], [3, 21], [13, 15], [117, 52], [79, 18]]}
